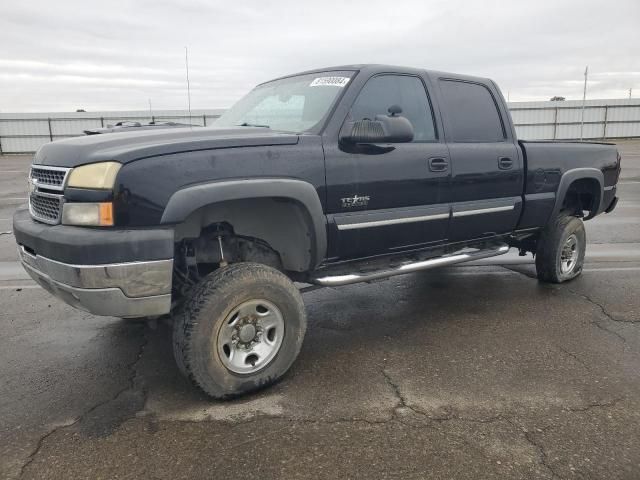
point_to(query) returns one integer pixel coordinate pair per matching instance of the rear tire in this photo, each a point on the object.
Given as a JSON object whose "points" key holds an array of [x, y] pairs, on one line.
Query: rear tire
{"points": [[240, 331], [561, 249]]}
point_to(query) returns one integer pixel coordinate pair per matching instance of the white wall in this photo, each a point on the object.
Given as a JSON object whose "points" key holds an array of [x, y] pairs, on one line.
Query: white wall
{"points": [[26, 132], [562, 120]]}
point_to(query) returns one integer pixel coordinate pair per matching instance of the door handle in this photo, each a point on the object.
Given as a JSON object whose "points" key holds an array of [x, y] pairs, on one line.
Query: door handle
{"points": [[505, 163], [438, 164]]}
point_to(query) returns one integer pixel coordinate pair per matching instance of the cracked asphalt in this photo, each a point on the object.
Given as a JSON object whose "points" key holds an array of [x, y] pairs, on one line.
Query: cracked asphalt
{"points": [[475, 371]]}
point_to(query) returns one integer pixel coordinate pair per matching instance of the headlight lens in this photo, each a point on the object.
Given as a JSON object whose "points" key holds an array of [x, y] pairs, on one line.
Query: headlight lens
{"points": [[100, 176], [88, 214]]}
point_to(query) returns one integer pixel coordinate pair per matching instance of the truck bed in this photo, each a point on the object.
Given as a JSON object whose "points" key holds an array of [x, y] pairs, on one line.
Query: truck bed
{"points": [[547, 161]]}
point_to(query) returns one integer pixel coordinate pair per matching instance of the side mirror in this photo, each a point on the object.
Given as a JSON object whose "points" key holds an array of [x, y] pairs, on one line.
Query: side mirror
{"points": [[391, 128]]}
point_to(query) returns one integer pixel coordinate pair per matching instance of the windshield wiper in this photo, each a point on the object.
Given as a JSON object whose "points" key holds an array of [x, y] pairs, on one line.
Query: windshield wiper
{"points": [[245, 124]]}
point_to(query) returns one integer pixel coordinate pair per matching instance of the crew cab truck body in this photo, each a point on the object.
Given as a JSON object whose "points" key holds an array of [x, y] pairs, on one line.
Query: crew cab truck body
{"points": [[327, 177]]}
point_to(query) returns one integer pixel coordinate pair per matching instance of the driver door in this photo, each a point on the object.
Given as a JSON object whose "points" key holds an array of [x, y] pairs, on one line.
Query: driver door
{"points": [[384, 198]]}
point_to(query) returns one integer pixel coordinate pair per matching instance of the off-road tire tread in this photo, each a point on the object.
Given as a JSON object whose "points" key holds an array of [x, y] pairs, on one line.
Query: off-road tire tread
{"points": [[211, 287]]}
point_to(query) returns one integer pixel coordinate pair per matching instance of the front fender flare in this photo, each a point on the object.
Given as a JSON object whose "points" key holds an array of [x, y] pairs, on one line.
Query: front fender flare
{"points": [[187, 200]]}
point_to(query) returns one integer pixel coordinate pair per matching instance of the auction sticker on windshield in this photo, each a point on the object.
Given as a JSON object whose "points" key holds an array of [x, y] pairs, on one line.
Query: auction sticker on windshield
{"points": [[329, 82]]}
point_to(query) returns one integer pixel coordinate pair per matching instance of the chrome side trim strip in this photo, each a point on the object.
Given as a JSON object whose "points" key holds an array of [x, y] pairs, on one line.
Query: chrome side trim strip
{"points": [[393, 221], [422, 218], [465, 213], [346, 279]]}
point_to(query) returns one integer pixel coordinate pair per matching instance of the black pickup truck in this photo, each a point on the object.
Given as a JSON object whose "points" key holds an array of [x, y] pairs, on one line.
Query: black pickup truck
{"points": [[327, 177]]}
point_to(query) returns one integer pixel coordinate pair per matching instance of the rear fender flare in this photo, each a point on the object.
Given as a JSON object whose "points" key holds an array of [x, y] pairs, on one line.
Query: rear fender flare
{"points": [[571, 176]]}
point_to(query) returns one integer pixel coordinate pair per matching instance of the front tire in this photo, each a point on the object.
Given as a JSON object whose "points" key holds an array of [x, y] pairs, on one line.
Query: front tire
{"points": [[561, 250], [240, 331]]}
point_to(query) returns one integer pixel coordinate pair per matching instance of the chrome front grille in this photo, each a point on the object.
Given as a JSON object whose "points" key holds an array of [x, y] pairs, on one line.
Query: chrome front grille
{"points": [[45, 198], [45, 207], [52, 178], [49, 178]]}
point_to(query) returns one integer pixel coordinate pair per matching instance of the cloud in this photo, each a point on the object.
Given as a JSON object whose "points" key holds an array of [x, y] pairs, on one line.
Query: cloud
{"points": [[118, 54]]}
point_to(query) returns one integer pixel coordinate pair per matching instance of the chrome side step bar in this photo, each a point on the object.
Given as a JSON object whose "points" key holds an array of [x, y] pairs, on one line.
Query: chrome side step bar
{"points": [[346, 279]]}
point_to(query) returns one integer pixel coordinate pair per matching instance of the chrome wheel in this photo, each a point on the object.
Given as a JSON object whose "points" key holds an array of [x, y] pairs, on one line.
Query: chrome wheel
{"points": [[250, 336], [569, 254]]}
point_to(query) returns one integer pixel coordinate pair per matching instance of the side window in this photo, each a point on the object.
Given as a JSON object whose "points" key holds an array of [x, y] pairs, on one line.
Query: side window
{"points": [[472, 112], [382, 91]]}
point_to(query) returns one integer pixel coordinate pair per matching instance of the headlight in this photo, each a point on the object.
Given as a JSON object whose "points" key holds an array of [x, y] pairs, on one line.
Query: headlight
{"points": [[96, 175], [88, 214]]}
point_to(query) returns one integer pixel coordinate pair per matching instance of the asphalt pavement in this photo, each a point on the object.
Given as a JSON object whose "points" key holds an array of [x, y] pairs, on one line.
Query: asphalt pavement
{"points": [[474, 371]]}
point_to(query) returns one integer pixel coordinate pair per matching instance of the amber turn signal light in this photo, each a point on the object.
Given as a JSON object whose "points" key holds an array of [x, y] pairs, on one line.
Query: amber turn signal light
{"points": [[106, 214], [88, 214]]}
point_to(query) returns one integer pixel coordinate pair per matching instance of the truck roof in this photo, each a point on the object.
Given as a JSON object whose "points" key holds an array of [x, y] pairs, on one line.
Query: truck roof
{"points": [[373, 68]]}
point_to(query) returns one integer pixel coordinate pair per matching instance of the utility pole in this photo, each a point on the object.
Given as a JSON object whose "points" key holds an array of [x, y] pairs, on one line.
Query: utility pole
{"points": [[630, 90], [584, 99], [186, 63], [150, 111]]}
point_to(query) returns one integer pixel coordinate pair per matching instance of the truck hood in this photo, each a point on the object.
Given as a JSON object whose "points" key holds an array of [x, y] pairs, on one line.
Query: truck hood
{"points": [[130, 146]]}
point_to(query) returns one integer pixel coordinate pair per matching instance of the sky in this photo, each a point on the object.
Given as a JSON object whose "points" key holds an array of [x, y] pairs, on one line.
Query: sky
{"points": [[116, 55]]}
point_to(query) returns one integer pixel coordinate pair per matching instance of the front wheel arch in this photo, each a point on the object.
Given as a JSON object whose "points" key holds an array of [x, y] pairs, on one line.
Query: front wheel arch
{"points": [[281, 225], [198, 206]]}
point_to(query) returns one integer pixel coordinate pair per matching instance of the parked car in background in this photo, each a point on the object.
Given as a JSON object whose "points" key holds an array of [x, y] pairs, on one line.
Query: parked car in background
{"points": [[135, 126]]}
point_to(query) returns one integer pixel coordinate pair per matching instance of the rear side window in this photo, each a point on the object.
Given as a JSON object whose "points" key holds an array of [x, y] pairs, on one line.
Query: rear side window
{"points": [[472, 112], [383, 91]]}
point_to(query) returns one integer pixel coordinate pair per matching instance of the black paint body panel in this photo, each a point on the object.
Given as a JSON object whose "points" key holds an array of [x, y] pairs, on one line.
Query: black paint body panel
{"points": [[131, 146], [143, 188], [548, 161], [92, 246]]}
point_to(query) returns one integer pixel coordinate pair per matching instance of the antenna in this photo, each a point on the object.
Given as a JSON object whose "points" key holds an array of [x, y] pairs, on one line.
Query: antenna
{"points": [[584, 98], [186, 63]]}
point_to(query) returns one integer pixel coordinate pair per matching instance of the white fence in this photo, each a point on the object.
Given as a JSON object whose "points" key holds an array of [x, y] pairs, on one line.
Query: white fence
{"points": [[26, 132], [563, 120]]}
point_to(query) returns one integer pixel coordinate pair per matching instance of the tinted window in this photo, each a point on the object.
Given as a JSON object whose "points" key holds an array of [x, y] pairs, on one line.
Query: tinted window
{"points": [[380, 92], [472, 112]]}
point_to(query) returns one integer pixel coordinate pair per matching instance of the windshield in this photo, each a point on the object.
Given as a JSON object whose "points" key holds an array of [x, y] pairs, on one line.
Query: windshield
{"points": [[293, 104]]}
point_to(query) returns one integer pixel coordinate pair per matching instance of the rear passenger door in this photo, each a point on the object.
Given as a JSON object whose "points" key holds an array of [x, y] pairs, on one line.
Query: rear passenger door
{"points": [[486, 166]]}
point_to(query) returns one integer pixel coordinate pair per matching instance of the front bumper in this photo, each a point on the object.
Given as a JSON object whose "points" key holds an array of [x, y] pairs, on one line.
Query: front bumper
{"points": [[121, 287]]}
